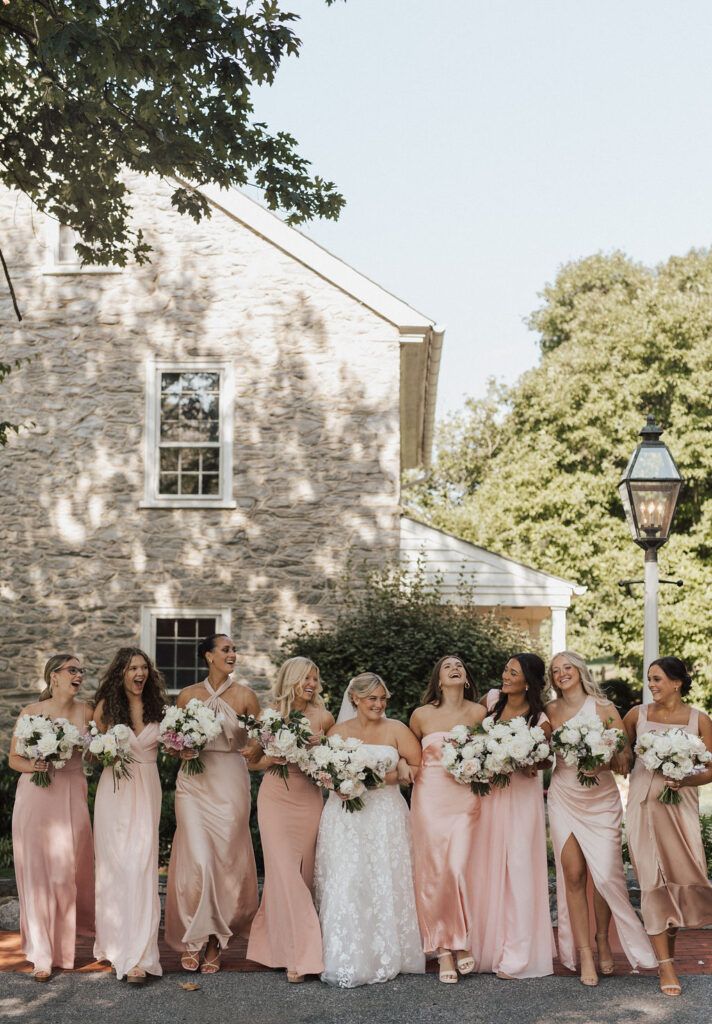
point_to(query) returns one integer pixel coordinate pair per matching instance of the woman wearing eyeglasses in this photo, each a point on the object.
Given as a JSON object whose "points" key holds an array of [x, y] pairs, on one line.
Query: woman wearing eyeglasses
{"points": [[51, 833]]}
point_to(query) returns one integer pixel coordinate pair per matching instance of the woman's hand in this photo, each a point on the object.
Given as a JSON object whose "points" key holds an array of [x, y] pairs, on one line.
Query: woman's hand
{"points": [[391, 778], [529, 771], [188, 754], [406, 773], [40, 765]]}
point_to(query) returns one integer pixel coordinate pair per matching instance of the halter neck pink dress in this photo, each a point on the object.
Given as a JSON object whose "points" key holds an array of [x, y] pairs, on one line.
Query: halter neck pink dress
{"points": [[593, 815], [54, 865], [212, 879], [126, 820], [443, 817], [512, 931], [666, 846]]}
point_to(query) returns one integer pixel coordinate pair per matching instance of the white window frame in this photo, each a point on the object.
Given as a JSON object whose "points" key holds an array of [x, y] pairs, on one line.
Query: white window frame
{"points": [[152, 432], [54, 268], [151, 613]]}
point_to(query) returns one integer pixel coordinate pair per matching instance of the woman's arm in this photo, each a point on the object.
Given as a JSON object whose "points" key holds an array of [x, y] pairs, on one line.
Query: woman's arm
{"points": [[622, 760], [699, 778]]}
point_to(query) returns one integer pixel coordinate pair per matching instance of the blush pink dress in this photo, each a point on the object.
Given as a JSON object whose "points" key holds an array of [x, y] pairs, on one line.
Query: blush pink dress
{"points": [[443, 816], [593, 815], [128, 910], [512, 931], [666, 846], [212, 879], [286, 931], [54, 865]]}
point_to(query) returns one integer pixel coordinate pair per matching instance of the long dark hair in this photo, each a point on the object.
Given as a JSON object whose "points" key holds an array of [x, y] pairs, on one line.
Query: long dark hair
{"points": [[431, 694], [674, 668], [111, 690], [534, 671]]}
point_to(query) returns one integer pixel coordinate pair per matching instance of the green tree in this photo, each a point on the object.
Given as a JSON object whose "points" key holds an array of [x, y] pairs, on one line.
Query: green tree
{"points": [[618, 340], [394, 623]]}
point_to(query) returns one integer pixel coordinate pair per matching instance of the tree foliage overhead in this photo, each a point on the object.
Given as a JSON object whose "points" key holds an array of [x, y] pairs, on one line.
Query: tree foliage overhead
{"points": [[91, 87], [618, 340]]}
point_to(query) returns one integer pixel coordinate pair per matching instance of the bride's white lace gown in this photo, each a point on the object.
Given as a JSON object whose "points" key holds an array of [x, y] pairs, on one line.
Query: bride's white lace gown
{"points": [[364, 888]]}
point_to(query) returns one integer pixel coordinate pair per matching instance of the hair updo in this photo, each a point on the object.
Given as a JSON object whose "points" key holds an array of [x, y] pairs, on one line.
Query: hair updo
{"points": [[208, 644], [675, 668], [53, 665], [364, 684]]}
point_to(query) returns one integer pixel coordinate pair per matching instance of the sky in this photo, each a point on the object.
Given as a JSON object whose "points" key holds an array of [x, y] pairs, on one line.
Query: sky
{"points": [[482, 144]]}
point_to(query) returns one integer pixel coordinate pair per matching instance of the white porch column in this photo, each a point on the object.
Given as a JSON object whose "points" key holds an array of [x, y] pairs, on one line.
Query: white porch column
{"points": [[558, 629]]}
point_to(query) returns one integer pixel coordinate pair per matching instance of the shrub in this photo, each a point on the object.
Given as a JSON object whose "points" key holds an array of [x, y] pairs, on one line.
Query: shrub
{"points": [[395, 623]]}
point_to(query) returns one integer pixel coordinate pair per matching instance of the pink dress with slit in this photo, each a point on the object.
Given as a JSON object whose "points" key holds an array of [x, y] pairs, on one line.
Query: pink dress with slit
{"points": [[593, 816], [512, 932]]}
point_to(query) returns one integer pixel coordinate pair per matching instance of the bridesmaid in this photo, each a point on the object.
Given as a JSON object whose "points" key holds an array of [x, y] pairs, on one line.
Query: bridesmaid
{"points": [[212, 879], [443, 816], [664, 839], [585, 828], [285, 932], [51, 834], [513, 935], [126, 821]]}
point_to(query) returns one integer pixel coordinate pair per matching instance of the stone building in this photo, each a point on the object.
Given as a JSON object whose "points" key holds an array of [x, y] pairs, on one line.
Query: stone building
{"points": [[211, 436]]}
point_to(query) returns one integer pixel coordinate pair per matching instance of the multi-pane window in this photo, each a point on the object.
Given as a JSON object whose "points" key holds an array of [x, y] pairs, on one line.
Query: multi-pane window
{"points": [[189, 433], [177, 655], [67, 238]]}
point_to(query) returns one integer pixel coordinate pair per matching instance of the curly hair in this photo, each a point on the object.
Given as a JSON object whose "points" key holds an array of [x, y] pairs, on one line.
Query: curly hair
{"points": [[111, 690]]}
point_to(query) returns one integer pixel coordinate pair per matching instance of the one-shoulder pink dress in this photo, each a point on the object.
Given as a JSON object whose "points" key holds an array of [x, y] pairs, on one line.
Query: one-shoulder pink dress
{"points": [[666, 845], [212, 879], [54, 865], [443, 817], [593, 815], [126, 821], [286, 932], [512, 932]]}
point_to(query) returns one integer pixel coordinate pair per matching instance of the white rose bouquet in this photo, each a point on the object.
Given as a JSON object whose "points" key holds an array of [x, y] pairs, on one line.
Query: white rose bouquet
{"points": [[345, 767], [41, 738], [112, 749], [675, 754], [189, 728], [488, 754], [286, 739], [585, 744]]}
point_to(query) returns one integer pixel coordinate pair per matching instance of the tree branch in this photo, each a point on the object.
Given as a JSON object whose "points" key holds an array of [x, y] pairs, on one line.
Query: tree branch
{"points": [[9, 284]]}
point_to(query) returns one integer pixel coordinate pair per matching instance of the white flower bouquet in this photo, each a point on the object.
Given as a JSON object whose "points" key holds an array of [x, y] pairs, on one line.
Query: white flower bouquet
{"points": [[112, 749], [586, 744], [675, 754], [487, 755], [346, 767], [189, 728], [54, 741], [286, 739]]}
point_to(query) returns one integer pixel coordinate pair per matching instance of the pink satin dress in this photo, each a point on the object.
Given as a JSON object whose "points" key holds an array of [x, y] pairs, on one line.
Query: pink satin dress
{"points": [[54, 865], [286, 932], [512, 931], [443, 817], [212, 879], [593, 815], [666, 845], [126, 821]]}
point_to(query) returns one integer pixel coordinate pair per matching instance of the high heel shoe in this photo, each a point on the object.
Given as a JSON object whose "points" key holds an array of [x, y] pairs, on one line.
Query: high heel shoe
{"points": [[604, 966], [448, 976], [588, 979], [465, 964], [672, 988]]}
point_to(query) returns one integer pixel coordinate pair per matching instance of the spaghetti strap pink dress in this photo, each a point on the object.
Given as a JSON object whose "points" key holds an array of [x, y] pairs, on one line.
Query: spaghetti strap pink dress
{"points": [[594, 816], [212, 879], [512, 932], [54, 865], [443, 818], [666, 846], [126, 820]]}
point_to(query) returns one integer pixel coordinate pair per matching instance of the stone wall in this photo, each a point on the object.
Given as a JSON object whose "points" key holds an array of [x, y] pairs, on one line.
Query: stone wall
{"points": [[316, 442]]}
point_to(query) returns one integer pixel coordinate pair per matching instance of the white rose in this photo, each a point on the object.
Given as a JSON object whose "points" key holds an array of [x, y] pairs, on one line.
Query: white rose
{"points": [[47, 744], [460, 733], [121, 733]]}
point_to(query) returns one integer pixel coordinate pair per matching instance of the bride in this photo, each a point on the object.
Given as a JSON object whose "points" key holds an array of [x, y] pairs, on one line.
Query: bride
{"points": [[363, 876]]}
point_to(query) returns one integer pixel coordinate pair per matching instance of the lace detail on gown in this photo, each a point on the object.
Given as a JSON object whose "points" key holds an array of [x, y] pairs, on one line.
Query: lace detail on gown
{"points": [[364, 889]]}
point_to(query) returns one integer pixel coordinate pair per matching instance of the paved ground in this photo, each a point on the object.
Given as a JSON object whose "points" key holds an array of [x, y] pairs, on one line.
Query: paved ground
{"points": [[234, 998]]}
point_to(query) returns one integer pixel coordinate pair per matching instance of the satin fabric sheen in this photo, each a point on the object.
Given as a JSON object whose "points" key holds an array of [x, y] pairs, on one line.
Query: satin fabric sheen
{"points": [[443, 816], [666, 846], [286, 931], [512, 930], [128, 910], [54, 865], [593, 815], [212, 879]]}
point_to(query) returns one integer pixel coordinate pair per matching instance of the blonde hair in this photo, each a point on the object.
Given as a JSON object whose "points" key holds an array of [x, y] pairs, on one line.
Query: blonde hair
{"points": [[291, 673], [364, 684], [53, 665], [589, 684]]}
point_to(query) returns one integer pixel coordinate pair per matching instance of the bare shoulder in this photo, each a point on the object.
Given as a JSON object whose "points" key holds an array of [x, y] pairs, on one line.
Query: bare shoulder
{"points": [[632, 715], [327, 720], [341, 729], [189, 692], [399, 728], [418, 716], [32, 709], [704, 719], [243, 698]]}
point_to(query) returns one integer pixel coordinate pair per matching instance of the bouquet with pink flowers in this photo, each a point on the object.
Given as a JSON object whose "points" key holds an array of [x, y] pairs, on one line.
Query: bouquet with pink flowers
{"points": [[586, 744], [347, 768], [189, 728], [286, 739]]}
